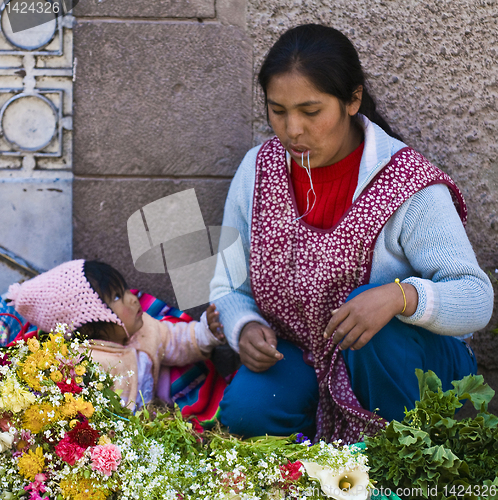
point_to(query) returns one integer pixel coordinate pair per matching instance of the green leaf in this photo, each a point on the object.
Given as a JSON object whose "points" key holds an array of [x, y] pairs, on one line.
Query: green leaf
{"points": [[444, 457], [428, 380], [473, 387]]}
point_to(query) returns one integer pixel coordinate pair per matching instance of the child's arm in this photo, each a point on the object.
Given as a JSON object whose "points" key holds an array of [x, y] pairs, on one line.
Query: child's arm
{"points": [[178, 344], [213, 320], [209, 332]]}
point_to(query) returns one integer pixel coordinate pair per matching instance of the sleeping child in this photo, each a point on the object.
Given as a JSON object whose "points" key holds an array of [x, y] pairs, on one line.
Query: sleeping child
{"points": [[93, 298]]}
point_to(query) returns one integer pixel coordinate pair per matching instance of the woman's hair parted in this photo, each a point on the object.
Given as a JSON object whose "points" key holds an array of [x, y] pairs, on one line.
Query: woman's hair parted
{"points": [[328, 59], [107, 282]]}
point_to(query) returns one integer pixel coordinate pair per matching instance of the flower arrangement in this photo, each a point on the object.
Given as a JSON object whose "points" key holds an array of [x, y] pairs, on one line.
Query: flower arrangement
{"points": [[64, 434]]}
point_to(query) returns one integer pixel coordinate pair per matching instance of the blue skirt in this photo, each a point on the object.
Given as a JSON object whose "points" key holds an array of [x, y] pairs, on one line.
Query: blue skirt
{"points": [[283, 400]]}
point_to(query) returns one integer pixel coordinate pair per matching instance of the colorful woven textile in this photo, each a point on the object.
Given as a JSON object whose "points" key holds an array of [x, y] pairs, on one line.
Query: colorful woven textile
{"points": [[197, 389], [9, 326]]}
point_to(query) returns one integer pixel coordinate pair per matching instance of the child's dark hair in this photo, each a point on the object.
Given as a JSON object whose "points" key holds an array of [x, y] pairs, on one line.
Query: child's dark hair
{"points": [[107, 282], [326, 57]]}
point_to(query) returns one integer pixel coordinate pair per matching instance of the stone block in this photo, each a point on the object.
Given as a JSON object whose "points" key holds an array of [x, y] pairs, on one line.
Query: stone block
{"points": [[8, 275], [179, 106], [159, 8], [232, 12], [101, 211], [36, 220]]}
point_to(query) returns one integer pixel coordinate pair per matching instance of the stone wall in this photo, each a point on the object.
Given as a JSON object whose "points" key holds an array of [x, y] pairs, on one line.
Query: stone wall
{"points": [[163, 103]]}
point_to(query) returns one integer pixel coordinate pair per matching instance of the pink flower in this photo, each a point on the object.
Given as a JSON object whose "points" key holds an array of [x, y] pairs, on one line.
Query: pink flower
{"points": [[37, 487], [22, 443], [106, 458], [69, 451]]}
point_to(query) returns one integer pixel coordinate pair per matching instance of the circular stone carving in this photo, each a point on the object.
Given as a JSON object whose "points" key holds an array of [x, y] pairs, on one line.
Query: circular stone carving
{"points": [[29, 121], [31, 38]]}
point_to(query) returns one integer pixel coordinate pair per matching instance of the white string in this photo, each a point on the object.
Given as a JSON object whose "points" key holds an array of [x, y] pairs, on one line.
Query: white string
{"points": [[312, 189]]}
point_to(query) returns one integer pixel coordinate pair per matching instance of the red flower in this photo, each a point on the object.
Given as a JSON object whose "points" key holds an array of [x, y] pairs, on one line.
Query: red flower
{"points": [[4, 422], [291, 472], [83, 435], [4, 360], [71, 387], [69, 451]]}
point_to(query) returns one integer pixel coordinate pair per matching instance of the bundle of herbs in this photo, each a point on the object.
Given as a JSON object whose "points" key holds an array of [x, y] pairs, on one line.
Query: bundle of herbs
{"points": [[432, 455]]}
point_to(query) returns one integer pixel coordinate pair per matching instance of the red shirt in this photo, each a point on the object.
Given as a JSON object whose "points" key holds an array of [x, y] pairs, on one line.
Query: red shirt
{"points": [[334, 187]]}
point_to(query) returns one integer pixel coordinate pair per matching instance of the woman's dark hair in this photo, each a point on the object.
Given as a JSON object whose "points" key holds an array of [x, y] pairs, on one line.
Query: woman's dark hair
{"points": [[326, 57], [107, 282]]}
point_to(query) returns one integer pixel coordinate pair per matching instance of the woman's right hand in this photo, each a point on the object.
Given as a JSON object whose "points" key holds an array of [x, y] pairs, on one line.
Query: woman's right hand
{"points": [[258, 347]]}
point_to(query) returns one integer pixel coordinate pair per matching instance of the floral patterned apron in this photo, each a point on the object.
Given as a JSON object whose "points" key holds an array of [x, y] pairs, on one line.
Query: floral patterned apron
{"points": [[300, 274]]}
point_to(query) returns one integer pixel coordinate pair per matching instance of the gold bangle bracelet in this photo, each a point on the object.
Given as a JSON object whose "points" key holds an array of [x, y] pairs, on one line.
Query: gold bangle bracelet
{"points": [[403, 292]]}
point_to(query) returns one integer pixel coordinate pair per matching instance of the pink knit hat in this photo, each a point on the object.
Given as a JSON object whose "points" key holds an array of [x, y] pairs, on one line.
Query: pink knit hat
{"points": [[61, 295]]}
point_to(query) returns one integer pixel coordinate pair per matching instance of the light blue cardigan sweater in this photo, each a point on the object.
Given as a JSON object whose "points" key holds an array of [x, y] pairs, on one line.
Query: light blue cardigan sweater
{"points": [[423, 243]]}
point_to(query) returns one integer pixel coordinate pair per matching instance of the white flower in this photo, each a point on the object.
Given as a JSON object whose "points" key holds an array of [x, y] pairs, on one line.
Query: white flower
{"points": [[349, 485], [6, 440]]}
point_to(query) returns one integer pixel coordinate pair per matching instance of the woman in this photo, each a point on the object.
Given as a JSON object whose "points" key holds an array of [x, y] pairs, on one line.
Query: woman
{"points": [[360, 269]]}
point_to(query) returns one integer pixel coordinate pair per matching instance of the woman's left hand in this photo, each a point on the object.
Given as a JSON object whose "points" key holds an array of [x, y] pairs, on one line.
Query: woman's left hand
{"points": [[359, 319]]}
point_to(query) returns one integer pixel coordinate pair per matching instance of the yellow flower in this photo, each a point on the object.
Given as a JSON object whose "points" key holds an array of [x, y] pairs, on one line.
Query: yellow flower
{"points": [[29, 372], [56, 344], [69, 409], [78, 380], [73, 423], [82, 489], [104, 440], [42, 358], [99, 386], [84, 407], [30, 464], [33, 344], [13, 397], [72, 407], [36, 417], [84, 362], [56, 376], [80, 370]]}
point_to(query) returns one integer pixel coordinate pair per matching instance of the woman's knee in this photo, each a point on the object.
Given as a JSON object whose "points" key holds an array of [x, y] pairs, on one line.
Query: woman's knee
{"points": [[281, 400]]}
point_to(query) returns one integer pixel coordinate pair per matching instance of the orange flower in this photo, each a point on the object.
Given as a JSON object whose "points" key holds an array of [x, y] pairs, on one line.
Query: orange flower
{"points": [[56, 376]]}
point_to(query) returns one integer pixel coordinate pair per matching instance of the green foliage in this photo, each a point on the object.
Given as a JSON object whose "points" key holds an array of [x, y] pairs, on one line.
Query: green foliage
{"points": [[430, 447]]}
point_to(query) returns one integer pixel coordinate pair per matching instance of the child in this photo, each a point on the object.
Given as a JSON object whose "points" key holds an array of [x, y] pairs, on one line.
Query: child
{"points": [[93, 298]]}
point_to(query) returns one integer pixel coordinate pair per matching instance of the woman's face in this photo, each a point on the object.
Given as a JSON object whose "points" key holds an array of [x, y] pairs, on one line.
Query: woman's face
{"points": [[307, 120]]}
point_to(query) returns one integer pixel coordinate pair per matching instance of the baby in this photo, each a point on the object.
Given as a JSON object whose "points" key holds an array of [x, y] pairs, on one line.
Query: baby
{"points": [[93, 298]]}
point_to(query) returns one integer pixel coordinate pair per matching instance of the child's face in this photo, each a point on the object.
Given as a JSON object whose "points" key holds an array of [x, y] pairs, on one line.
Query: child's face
{"points": [[128, 309]]}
